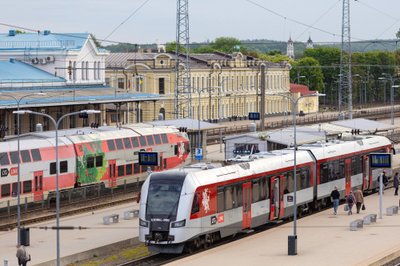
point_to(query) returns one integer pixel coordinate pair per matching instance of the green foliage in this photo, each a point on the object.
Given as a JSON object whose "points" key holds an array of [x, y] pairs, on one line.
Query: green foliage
{"points": [[96, 42], [309, 68], [203, 49], [226, 44], [122, 48], [170, 47]]}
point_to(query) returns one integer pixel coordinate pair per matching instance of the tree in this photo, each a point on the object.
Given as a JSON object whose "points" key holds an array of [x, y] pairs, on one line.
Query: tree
{"points": [[310, 69], [398, 34], [226, 44], [170, 47], [96, 42]]}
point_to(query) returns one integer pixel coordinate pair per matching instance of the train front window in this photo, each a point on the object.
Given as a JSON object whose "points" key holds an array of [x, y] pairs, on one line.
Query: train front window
{"points": [[163, 199]]}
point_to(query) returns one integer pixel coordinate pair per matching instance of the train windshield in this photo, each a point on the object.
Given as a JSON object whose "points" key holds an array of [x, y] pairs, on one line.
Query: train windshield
{"points": [[163, 199]]}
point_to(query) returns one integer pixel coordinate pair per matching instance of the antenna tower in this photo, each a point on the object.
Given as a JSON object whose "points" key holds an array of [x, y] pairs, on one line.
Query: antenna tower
{"points": [[345, 90], [183, 94]]}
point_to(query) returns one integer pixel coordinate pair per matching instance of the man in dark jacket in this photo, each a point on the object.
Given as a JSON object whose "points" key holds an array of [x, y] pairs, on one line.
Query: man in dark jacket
{"points": [[335, 196], [396, 183]]}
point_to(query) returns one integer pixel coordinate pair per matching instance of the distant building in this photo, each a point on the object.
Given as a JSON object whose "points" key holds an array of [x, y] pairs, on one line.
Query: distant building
{"points": [[305, 105], [290, 48], [224, 86]]}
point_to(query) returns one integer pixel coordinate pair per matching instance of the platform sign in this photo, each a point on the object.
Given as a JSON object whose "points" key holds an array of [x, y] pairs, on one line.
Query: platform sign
{"points": [[198, 155], [148, 158], [380, 160], [254, 116]]}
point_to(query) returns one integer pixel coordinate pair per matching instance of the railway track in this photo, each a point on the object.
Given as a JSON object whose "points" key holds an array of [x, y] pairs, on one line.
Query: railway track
{"points": [[35, 216]]}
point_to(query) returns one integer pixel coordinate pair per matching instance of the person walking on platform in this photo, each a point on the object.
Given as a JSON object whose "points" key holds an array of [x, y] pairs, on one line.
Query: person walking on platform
{"points": [[396, 183], [335, 196], [358, 195], [350, 202], [22, 255]]}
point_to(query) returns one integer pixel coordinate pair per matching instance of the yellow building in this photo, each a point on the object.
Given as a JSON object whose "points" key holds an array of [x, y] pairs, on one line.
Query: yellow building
{"points": [[223, 86]]}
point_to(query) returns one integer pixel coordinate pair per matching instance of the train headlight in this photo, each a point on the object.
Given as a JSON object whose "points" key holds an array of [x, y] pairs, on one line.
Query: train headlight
{"points": [[143, 223], [178, 224]]}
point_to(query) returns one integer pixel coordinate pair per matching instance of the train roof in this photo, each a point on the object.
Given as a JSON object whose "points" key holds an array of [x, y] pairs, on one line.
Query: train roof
{"points": [[347, 145]]}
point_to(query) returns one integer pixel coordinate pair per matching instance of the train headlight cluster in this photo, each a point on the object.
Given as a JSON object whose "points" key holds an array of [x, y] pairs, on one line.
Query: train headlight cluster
{"points": [[178, 224], [143, 223]]}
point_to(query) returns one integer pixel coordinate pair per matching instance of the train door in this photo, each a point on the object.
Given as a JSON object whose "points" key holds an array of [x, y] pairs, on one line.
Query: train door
{"points": [[367, 180], [246, 205], [347, 175], [112, 173], [38, 185], [275, 198]]}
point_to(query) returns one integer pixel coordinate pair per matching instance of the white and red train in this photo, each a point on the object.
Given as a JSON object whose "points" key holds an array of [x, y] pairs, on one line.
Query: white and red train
{"points": [[181, 209], [87, 156]]}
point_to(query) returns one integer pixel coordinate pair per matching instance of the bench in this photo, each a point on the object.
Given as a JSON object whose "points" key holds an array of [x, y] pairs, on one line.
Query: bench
{"points": [[128, 215], [356, 224], [370, 218], [113, 218], [392, 210]]}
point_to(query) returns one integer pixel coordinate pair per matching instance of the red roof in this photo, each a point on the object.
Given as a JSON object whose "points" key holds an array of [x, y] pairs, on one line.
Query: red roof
{"points": [[303, 89]]}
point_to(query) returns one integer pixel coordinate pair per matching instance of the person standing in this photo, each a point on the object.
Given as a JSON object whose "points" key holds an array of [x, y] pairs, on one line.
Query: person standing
{"points": [[359, 198], [350, 202], [335, 196], [22, 255], [396, 183]]}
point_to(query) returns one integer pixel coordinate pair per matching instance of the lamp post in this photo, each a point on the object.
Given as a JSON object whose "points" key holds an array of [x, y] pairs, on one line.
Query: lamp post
{"points": [[56, 125], [18, 102], [292, 240]]}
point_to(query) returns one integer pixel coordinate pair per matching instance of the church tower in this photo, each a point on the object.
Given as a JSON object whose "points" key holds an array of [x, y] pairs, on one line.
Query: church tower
{"points": [[310, 44], [290, 48]]}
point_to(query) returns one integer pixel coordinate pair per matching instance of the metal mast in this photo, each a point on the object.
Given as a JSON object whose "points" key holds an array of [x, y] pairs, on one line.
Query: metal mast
{"points": [[183, 94], [345, 90]]}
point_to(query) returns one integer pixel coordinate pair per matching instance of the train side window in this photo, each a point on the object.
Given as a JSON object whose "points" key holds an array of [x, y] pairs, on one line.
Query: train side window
{"points": [[14, 157], [187, 147], [256, 190], [289, 183], [303, 180], [325, 173], [25, 156], [53, 168], [121, 170], [36, 155], [142, 141], [4, 160], [150, 140], [157, 139], [5, 190], [119, 144], [27, 186], [111, 145], [164, 138], [341, 169], [90, 162], [176, 150], [263, 188], [196, 204], [229, 203], [127, 143], [220, 200], [239, 195], [63, 166], [356, 165], [135, 142], [136, 168], [99, 160], [128, 169]]}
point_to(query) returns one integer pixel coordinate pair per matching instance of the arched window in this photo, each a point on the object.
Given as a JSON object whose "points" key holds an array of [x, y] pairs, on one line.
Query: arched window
{"points": [[83, 70], [87, 70], [98, 70], [95, 70], [74, 71]]}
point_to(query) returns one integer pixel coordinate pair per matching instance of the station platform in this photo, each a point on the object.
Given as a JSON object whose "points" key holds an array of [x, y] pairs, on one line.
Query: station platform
{"points": [[72, 242], [323, 239]]}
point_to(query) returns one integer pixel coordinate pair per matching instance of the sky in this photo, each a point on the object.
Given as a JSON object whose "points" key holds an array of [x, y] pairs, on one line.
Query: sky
{"points": [[154, 21]]}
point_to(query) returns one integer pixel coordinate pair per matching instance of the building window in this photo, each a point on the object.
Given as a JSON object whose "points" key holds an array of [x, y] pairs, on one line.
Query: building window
{"points": [[121, 83], [108, 82], [83, 70], [161, 85], [87, 70]]}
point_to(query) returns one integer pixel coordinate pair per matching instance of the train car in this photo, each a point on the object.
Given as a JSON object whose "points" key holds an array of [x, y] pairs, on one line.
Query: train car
{"points": [[87, 156], [181, 209]]}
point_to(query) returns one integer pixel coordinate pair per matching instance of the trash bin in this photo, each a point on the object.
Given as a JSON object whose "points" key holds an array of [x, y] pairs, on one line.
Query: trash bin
{"points": [[24, 235]]}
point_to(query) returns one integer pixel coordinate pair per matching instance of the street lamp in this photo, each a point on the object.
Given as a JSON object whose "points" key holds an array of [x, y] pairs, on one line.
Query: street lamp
{"points": [[56, 125], [292, 240], [18, 101]]}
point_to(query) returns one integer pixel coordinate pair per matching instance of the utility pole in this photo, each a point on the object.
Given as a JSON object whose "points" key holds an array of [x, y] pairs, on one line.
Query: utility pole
{"points": [[183, 93], [345, 89], [263, 68]]}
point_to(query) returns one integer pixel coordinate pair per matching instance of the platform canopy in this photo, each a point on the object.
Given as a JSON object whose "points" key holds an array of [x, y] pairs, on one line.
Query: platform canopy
{"points": [[364, 125]]}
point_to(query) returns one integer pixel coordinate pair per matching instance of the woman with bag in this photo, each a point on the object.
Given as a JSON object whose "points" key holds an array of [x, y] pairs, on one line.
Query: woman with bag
{"points": [[350, 202], [22, 255], [359, 198]]}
